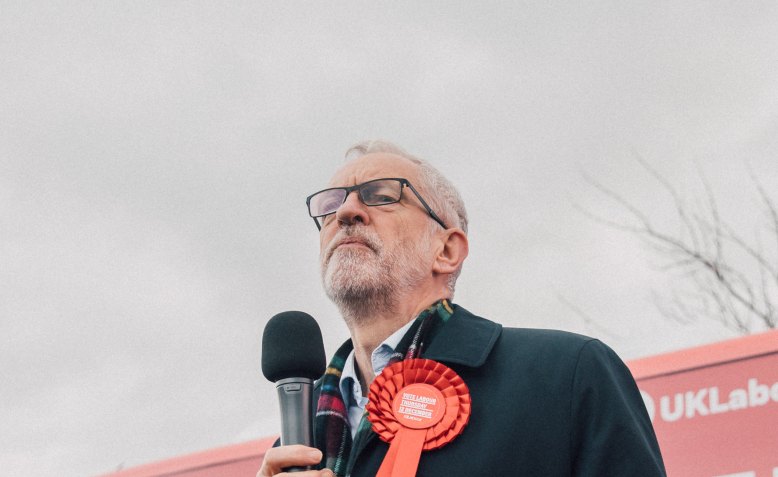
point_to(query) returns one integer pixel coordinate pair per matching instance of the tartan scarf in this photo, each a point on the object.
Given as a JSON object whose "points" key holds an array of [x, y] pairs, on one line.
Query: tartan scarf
{"points": [[333, 433]]}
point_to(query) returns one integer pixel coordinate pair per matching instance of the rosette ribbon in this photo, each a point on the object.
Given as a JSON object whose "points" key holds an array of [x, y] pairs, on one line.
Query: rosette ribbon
{"points": [[416, 405]]}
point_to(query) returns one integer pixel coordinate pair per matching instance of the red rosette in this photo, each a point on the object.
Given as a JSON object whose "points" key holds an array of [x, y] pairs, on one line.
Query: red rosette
{"points": [[415, 405]]}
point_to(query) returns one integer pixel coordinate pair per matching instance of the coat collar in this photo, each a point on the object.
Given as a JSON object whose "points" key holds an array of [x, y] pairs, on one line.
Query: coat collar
{"points": [[465, 339]]}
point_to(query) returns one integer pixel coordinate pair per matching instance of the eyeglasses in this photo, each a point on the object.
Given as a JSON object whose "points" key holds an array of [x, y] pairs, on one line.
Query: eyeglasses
{"points": [[371, 193]]}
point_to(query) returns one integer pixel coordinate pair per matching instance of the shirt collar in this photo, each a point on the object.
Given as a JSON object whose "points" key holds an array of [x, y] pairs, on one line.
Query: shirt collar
{"points": [[350, 388]]}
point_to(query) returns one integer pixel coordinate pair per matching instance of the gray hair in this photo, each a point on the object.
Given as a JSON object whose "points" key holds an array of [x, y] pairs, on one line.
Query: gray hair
{"points": [[439, 192]]}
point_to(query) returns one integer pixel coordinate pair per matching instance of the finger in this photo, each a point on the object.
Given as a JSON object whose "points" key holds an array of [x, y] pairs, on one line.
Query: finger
{"points": [[278, 458], [307, 473]]}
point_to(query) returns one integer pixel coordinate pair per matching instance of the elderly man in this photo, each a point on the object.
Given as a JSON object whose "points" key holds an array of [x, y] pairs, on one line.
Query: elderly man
{"points": [[393, 237]]}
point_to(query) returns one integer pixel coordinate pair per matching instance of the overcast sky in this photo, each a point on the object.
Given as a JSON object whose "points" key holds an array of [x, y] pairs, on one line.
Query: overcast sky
{"points": [[155, 158]]}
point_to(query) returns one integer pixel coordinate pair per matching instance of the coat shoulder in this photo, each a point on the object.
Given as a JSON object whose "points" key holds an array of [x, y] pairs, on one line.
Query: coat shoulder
{"points": [[533, 340], [545, 338]]}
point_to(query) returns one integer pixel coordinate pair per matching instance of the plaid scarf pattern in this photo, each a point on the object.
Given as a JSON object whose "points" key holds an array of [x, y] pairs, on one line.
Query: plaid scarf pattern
{"points": [[332, 431]]}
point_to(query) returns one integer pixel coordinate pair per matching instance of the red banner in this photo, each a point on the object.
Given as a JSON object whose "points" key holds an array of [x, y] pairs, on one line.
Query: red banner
{"points": [[716, 414]]}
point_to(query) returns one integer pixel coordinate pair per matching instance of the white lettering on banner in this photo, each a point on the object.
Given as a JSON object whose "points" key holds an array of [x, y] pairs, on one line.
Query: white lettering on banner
{"points": [[775, 470], [715, 406], [664, 408], [711, 400], [738, 399], [758, 394], [694, 402]]}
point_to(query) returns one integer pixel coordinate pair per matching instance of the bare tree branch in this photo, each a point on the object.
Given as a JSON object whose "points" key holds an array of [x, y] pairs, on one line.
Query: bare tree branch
{"points": [[772, 210], [713, 209], [757, 255], [709, 254]]}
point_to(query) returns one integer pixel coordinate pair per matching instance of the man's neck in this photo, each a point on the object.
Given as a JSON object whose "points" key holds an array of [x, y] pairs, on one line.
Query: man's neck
{"points": [[368, 333]]}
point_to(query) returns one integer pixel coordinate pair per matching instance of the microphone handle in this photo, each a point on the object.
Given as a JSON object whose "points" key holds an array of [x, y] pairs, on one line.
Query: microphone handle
{"points": [[294, 396]]}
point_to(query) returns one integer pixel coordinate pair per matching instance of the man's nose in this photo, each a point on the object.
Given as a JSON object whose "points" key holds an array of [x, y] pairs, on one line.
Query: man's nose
{"points": [[352, 211]]}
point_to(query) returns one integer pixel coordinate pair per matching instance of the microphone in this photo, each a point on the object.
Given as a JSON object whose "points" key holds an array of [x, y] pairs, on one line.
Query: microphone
{"points": [[292, 358]]}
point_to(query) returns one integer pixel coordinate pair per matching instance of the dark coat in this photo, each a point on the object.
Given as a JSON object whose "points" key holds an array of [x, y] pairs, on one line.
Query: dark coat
{"points": [[544, 403]]}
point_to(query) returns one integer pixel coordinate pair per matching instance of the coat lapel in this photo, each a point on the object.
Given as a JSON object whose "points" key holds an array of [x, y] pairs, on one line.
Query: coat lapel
{"points": [[465, 339]]}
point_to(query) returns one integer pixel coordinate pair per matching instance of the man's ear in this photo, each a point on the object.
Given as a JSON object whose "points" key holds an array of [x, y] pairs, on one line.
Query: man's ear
{"points": [[452, 253]]}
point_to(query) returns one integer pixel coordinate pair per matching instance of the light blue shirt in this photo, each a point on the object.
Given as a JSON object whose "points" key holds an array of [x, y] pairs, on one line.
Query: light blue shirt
{"points": [[353, 396]]}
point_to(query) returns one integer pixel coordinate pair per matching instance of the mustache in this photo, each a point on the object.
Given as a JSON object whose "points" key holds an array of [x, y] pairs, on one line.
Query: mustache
{"points": [[352, 234]]}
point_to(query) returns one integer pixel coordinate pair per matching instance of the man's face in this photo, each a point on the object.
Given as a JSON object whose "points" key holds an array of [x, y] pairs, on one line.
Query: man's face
{"points": [[374, 252]]}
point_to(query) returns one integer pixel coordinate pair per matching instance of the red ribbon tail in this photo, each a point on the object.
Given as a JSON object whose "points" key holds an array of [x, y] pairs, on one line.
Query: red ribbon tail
{"points": [[402, 458]]}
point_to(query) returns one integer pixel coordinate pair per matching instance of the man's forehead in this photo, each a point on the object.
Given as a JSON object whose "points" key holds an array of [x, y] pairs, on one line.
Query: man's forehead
{"points": [[374, 166]]}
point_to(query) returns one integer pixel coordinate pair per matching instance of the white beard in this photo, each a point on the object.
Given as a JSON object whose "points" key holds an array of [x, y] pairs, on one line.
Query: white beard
{"points": [[360, 279]]}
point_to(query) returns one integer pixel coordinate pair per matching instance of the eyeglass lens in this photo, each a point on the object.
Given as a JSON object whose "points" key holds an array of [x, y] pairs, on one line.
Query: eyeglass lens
{"points": [[378, 192]]}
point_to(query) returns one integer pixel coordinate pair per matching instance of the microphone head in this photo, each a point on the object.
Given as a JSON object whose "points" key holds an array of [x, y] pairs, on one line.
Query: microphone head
{"points": [[292, 347]]}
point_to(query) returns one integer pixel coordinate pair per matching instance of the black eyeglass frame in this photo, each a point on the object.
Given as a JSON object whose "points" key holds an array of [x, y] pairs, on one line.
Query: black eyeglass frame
{"points": [[403, 184]]}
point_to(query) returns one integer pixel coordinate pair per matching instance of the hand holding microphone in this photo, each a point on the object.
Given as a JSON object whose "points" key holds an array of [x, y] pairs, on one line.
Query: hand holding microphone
{"points": [[292, 358]]}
